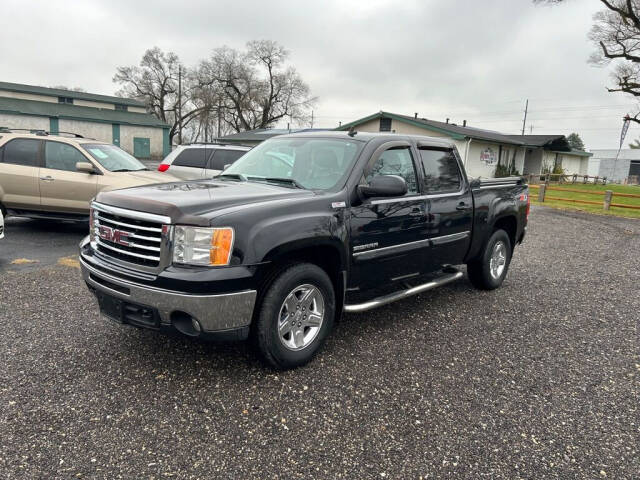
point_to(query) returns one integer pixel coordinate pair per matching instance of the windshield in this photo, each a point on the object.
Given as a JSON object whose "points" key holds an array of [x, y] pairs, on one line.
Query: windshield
{"points": [[113, 158], [311, 163]]}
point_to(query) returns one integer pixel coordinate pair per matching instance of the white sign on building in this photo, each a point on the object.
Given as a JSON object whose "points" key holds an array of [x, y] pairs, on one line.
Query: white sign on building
{"points": [[488, 156]]}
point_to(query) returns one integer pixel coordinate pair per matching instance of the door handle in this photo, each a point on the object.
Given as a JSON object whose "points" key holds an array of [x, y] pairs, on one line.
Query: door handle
{"points": [[48, 178], [462, 206], [416, 212]]}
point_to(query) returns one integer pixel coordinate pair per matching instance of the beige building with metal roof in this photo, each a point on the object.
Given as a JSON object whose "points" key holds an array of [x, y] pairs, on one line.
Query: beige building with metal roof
{"points": [[483, 150], [121, 121]]}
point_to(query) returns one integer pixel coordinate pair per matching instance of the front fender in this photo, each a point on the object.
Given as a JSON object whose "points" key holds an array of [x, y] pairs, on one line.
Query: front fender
{"points": [[273, 237]]}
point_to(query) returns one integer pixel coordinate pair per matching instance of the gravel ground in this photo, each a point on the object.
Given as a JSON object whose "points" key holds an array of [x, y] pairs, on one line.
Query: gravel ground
{"points": [[538, 379]]}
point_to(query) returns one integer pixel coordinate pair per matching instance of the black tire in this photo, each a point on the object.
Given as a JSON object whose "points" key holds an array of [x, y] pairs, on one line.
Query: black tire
{"points": [[479, 270], [267, 335]]}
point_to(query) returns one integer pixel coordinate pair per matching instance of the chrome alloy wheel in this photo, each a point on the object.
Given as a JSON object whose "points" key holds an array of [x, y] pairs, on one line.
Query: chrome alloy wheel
{"points": [[498, 260], [301, 316]]}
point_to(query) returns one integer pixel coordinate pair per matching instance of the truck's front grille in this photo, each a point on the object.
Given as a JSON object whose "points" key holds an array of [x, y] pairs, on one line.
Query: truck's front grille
{"points": [[128, 237]]}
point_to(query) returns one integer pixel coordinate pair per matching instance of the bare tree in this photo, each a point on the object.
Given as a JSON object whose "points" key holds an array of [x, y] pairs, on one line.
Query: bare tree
{"points": [[255, 88], [155, 83], [232, 91], [616, 32]]}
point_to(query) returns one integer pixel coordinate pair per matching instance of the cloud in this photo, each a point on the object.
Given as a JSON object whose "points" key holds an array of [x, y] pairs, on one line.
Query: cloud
{"points": [[460, 59]]}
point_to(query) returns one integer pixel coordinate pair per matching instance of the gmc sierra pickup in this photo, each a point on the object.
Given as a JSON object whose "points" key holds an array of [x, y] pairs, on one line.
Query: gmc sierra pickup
{"points": [[298, 230]]}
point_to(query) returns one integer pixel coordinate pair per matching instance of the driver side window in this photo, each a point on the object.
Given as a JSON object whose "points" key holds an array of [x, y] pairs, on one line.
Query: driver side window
{"points": [[396, 161], [60, 156]]}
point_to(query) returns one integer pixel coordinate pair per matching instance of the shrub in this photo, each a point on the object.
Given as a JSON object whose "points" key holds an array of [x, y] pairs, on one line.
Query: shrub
{"points": [[505, 171]]}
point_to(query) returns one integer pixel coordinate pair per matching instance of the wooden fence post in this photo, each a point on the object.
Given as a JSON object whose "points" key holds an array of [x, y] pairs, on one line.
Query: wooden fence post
{"points": [[607, 199], [541, 192]]}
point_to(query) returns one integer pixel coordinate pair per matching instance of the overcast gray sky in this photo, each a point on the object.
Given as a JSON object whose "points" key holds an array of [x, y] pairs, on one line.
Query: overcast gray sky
{"points": [[473, 60]]}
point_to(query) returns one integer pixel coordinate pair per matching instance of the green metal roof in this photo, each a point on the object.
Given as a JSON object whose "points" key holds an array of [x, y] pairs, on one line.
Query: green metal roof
{"points": [[457, 132], [579, 153], [58, 92], [18, 106]]}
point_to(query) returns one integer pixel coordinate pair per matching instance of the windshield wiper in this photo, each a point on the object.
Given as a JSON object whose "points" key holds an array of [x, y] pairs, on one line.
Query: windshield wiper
{"points": [[129, 170], [237, 176], [289, 181]]}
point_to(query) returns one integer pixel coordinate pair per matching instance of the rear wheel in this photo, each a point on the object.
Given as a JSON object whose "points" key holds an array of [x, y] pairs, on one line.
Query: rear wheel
{"points": [[295, 316], [489, 270]]}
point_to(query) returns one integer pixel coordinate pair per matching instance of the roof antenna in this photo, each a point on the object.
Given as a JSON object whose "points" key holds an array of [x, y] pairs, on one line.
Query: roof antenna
{"points": [[352, 131]]}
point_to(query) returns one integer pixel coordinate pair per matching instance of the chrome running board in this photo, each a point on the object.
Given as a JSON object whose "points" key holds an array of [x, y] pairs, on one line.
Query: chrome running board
{"points": [[395, 296]]}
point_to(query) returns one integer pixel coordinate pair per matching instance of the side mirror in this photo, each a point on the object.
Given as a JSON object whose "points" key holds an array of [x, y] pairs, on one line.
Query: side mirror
{"points": [[384, 186], [85, 167], [226, 166]]}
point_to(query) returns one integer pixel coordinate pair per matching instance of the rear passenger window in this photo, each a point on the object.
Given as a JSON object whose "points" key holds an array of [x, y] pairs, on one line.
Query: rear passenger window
{"points": [[441, 171], [192, 157], [61, 156], [22, 152], [220, 158]]}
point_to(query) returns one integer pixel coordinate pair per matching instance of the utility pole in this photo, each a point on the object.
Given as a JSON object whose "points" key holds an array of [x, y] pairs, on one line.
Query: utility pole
{"points": [[531, 129], [524, 121], [180, 104], [311, 118]]}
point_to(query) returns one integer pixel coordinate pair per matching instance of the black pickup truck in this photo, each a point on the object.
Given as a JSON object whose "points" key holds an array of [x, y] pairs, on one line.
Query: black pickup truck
{"points": [[298, 230]]}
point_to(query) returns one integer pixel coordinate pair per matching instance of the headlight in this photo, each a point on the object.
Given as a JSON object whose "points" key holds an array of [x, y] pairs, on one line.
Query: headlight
{"points": [[202, 246]]}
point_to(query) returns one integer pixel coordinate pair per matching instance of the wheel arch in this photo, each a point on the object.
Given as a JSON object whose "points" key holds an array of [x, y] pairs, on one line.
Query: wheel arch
{"points": [[509, 224], [327, 254]]}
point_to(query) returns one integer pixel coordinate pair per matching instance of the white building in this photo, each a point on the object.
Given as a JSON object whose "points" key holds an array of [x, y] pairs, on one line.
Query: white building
{"points": [[616, 167], [482, 150], [121, 121]]}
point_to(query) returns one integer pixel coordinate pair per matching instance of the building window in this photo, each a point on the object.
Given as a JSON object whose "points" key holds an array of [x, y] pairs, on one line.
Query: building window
{"points": [[385, 124], [65, 100], [120, 107]]}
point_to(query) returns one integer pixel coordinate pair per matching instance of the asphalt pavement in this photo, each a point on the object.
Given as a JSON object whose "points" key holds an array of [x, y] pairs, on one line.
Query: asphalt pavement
{"points": [[32, 244], [539, 379]]}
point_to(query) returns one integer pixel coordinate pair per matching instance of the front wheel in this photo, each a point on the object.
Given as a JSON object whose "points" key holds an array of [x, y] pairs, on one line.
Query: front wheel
{"points": [[295, 316], [489, 270]]}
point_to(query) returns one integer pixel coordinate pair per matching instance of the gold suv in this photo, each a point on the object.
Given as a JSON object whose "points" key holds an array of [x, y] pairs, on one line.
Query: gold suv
{"points": [[49, 176]]}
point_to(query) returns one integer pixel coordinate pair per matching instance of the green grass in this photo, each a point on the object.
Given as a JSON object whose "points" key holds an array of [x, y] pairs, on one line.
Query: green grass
{"points": [[598, 209]]}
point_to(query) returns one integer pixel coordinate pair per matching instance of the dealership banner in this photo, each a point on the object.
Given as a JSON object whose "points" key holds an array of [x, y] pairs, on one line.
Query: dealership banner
{"points": [[625, 127]]}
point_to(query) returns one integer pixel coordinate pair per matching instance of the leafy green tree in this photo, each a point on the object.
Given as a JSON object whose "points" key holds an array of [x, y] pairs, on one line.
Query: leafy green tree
{"points": [[575, 141]]}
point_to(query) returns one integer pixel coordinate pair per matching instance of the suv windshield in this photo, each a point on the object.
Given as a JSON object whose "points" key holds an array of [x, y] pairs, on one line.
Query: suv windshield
{"points": [[113, 158], [312, 163]]}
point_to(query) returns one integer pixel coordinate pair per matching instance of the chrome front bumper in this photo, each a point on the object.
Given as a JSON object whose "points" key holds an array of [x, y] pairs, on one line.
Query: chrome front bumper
{"points": [[214, 312]]}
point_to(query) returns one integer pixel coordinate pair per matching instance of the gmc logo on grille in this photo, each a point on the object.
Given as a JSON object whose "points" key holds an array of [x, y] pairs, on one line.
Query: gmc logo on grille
{"points": [[113, 235]]}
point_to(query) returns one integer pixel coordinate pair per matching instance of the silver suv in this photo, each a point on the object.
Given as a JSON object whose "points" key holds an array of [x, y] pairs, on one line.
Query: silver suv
{"points": [[200, 160]]}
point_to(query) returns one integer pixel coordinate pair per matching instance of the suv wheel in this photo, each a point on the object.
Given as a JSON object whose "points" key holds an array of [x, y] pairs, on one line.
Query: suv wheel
{"points": [[295, 316], [489, 270]]}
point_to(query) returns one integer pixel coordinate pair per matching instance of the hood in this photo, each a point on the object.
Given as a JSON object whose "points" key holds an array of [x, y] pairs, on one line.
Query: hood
{"points": [[186, 202], [143, 177], [115, 180]]}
